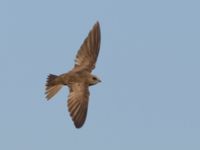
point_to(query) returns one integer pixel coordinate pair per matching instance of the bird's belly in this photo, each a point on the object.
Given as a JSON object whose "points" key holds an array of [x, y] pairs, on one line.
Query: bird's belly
{"points": [[70, 78]]}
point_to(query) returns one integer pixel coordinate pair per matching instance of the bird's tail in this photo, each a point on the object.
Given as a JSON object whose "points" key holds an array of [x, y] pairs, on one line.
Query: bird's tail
{"points": [[52, 86]]}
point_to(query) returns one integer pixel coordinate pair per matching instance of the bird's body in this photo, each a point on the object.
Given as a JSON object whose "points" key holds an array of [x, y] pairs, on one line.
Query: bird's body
{"points": [[79, 78]]}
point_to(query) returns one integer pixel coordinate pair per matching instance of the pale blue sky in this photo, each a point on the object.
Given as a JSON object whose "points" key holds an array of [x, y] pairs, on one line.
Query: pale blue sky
{"points": [[149, 64]]}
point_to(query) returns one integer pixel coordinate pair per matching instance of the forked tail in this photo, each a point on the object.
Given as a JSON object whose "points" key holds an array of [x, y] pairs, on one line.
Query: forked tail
{"points": [[52, 86]]}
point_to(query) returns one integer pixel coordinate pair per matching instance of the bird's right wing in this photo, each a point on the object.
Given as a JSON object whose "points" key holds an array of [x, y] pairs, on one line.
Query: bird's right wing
{"points": [[78, 103]]}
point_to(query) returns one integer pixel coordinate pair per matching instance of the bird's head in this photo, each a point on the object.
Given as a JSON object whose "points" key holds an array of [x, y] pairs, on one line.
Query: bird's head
{"points": [[94, 80]]}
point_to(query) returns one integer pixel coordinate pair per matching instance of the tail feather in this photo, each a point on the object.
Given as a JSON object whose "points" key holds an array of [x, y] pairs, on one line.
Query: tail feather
{"points": [[51, 79], [52, 87]]}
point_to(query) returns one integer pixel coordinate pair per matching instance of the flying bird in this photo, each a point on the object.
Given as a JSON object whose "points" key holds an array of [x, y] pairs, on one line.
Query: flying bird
{"points": [[79, 78]]}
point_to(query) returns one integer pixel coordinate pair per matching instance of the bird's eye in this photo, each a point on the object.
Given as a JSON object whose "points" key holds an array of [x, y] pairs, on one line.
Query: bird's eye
{"points": [[94, 78]]}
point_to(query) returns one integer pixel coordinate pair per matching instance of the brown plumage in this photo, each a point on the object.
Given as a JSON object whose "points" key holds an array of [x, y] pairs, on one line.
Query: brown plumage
{"points": [[79, 78]]}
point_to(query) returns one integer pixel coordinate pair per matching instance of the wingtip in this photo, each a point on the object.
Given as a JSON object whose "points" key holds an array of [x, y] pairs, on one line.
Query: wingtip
{"points": [[97, 23], [78, 126]]}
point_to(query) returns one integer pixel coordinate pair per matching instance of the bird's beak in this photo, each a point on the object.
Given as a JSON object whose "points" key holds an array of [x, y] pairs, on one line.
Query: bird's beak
{"points": [[99, 80]]}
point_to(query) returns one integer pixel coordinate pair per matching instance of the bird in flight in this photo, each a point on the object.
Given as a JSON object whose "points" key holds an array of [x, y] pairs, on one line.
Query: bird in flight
{"points": [[79, 78]]}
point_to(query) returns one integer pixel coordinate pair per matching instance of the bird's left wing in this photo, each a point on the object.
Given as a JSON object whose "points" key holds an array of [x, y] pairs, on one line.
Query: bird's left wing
{"points": [[87, 55], [78, 103]]}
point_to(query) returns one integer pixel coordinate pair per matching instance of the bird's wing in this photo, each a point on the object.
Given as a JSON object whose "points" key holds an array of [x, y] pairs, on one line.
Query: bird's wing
{"points": [[89, 50], [78, 103]]}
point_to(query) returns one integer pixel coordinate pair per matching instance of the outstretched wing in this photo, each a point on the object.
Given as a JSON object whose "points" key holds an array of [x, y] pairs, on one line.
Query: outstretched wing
{"points": [[87, 55], [78, 103]]}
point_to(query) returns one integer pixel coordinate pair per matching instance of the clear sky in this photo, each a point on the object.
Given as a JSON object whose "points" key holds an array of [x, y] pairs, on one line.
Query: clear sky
{"points": [[149, 63]]}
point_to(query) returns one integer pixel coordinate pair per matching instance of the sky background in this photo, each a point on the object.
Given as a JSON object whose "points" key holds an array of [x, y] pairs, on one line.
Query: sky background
{"points": [[149, 63]]}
